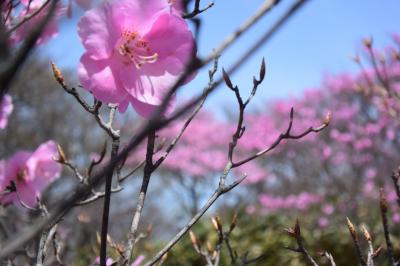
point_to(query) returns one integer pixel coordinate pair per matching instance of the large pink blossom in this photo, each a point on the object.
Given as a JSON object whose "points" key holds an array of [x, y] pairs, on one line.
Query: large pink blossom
{"points": [[30, 171], [135, 51], [6, 108]]}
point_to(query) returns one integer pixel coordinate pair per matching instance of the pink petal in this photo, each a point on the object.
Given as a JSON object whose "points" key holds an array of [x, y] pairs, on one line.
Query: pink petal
{"points": [[173, 42], [139, 14], [99, 78], [97, 32], [148, 91], [146, 110]]}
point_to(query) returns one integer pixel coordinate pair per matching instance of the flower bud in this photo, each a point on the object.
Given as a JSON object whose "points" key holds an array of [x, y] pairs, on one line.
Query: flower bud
{"points": [[233, 223], [327, 118], [228, 81], [61, 155], [352, 230], [368, 42], [366, 233], [193, 238], [57, 74]]}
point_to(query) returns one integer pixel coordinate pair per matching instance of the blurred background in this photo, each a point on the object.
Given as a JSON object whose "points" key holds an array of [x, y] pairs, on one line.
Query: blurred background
{"points": [[313, 64]]}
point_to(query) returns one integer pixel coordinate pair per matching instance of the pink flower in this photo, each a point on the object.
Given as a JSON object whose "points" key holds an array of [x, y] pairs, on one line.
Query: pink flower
{"points": [[51, 29], [6, 108], [31, 173], [323, 222], [135, 51], [328, 209], [396, 218]]}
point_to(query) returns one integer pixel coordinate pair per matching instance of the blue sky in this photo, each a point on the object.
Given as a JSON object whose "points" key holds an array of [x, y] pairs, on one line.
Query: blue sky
{"points": [[319, 39]]}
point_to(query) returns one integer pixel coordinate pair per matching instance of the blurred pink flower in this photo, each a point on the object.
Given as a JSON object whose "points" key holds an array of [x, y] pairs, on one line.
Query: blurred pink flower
{"points": [[254, 172], [369, 188], [323, 222], [328, 209], [31, 172], [109, 261], [251, 209], [371, 172], [396, 218], [302, 201], [6, 107], [51, 29], [135, 51]]}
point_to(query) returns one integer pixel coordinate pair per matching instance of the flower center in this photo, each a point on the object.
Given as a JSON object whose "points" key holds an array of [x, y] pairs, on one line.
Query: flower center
{"points": [[134, 49], [21, 175]]}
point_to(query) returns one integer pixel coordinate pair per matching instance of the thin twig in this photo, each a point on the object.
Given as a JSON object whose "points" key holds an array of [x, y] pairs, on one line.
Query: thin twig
{"points": [[107, 200], [296, 233], [265, 8], [28, 17], [197, 10], [195, 218], [395, 178], [147, 172], [9, 67], [283, 136], [354, 236], [384, 208], [211, 83]]}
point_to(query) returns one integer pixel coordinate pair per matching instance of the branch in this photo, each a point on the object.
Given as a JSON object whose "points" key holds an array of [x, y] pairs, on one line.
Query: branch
{"points": [[371, 253], [218, 192], [197, 10], [148, 170], [10, 67], [296, 233], [265, 8], [107, 199], [266, 36], [28, 17], [395, 178], [354, 236], [211, 83], [384, 208], [286, 135]]}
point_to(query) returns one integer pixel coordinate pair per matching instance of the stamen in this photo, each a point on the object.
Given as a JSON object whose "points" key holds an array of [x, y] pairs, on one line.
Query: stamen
{"points": [[135, 50]]}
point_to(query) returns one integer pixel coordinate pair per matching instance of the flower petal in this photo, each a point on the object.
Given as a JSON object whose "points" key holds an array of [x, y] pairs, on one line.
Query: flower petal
{"points": [[139, 14], [97, 33], [173, 41], [97, 76]]}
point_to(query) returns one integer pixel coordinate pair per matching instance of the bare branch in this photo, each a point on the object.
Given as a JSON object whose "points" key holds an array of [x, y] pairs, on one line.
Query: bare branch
{"points": [[191, 117], [28, 17], [283, 136], [218, 192], [384, 208], [354, 236], [296, 233], [197, 10], [11, 65], [148, 170]]}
